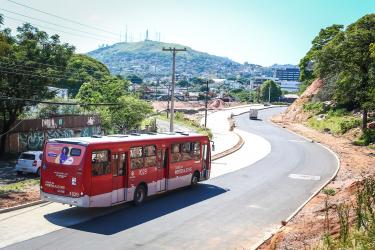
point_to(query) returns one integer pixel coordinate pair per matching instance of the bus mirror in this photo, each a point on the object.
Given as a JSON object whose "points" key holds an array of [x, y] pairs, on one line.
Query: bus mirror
{"points": [[213, 146]]}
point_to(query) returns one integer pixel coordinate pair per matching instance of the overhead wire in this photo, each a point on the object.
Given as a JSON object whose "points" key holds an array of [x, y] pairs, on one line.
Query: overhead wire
{"points": [[62, 18], [10, 98], [55, 24], [61, 31]]}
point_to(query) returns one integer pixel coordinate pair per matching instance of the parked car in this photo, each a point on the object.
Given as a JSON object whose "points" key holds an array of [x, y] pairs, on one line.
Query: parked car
{"points": [[29, 162]]}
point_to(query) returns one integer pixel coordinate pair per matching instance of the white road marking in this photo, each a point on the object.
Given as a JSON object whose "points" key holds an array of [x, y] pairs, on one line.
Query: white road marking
{"points": [[305, 177], [297, 141]]}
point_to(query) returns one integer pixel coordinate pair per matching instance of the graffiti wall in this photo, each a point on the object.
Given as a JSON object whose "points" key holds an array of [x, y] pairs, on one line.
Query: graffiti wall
{"points": [[34, 140]]}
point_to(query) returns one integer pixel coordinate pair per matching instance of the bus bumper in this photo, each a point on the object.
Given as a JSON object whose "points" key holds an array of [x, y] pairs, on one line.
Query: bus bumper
{"points": [[79, 202]]}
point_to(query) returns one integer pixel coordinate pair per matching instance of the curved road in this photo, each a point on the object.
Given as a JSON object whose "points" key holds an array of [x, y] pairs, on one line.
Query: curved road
{"points": [[234, 210]]}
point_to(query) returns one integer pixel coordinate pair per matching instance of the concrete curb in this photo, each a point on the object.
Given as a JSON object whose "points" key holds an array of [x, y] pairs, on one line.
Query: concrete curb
{"points": [[30, 204], [231, 150], [273, 232]]}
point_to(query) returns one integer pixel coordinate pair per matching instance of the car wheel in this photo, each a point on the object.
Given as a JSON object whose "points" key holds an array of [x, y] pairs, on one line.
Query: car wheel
{"points": [[19, 172], [139, 195], [38, 172]]}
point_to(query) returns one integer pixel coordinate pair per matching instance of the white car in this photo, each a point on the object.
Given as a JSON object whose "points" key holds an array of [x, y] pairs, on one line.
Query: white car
{"points": [[29, 162]]}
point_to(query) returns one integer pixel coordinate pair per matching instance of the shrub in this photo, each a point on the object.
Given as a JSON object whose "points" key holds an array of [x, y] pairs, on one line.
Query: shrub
{"points": [[315, 107], [367, 137]]}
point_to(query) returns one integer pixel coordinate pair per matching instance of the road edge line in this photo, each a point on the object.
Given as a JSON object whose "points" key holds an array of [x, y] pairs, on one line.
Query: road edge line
{"points": [[273, 232]]}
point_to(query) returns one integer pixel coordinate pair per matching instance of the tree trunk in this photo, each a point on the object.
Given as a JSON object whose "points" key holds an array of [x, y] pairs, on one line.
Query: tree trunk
{"points": [[364, 120]]}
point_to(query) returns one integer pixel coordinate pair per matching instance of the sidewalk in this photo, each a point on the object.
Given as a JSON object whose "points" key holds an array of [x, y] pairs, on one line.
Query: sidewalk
{"points": [[218, 122]]}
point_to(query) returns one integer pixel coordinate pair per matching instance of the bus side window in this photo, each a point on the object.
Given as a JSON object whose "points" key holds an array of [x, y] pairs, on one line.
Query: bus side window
{"points": [[186, 151], [150, 156], [100, 163], [176, 155], [136, 157]]}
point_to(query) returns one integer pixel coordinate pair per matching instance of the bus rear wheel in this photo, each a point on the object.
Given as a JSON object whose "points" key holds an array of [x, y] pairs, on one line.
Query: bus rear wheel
{"points": [[139, 195]]}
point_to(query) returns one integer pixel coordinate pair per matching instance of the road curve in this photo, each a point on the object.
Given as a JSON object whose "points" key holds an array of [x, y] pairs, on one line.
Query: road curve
{"points": [[234, 210]]}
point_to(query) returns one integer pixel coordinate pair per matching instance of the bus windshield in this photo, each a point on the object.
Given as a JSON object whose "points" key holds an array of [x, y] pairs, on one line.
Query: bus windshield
{"points": [[64, 153]]}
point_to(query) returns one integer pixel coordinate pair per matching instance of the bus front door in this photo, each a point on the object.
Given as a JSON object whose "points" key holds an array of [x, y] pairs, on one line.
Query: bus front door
{"points": [[162, 167], [118, 177], [206, 162]]}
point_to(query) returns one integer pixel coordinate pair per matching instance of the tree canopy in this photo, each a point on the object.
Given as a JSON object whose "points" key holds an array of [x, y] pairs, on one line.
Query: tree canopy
{"points": [[275, 91], [29, 62], [347, 63]]}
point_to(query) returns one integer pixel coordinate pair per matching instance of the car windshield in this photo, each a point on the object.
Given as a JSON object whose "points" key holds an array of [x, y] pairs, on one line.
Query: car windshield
{"points": [[26, 156]]}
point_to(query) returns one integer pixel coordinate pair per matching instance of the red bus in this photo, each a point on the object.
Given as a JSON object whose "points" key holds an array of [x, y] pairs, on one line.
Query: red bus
{"points": [[108, 170]]}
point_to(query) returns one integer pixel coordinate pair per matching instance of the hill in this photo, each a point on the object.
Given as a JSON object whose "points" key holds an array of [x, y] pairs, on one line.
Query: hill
{"points": [[146, 58]]}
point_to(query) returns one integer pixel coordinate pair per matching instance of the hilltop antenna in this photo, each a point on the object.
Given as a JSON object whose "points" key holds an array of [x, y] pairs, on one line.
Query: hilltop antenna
{"points": [[126, 33], [146, 35]]}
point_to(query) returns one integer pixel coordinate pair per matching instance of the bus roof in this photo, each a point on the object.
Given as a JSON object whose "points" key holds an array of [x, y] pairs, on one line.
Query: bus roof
{"points": [[84, 141]]}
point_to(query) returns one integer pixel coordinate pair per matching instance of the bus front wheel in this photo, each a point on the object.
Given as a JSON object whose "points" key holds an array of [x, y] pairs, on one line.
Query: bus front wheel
{"points": [[195, 179], [139, 195]]}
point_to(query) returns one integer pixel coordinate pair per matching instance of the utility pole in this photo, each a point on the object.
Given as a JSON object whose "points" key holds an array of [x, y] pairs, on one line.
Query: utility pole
{"points": [[269, 93], [174, 52], [206, 104]]}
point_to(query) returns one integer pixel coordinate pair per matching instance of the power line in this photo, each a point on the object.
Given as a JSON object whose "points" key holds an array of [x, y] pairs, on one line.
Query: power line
{"points": [[62, 18], [29, 69], [59, 25], [61, 31], [28, 73], [9, 98]]}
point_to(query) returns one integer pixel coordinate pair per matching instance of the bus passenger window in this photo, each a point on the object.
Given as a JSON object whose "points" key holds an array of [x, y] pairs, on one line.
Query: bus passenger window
{"points": [[136, 157], [196, 151], [186, 151], [176, 156], [100, 163], [150, 156]]}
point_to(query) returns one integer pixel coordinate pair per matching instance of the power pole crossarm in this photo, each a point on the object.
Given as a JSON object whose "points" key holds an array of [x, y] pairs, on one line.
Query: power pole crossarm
{"points": [[174, 51]]}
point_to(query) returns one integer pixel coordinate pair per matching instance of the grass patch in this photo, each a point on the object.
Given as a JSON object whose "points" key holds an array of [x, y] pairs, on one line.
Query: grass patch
{"points": [[19, 186], [180, 119], [335, 124]]}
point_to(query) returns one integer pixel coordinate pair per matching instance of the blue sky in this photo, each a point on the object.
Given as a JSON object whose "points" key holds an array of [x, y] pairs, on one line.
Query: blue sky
{"points": [[258, 31]]}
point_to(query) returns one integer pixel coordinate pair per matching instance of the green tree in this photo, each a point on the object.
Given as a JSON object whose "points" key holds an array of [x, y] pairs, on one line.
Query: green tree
{"points": [[130, 113], [183, 83], [347, 62], [270, 87], [29, 62], [126, 115], [307, 75], [81, 69], [134, 79]]}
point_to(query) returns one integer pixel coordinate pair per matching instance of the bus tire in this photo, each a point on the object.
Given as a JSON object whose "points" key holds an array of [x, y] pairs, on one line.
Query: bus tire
{"points": [[139, 195], [195, 179]]}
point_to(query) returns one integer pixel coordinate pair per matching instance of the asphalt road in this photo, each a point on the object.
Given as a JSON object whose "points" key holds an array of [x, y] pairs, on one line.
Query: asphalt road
{"points": [[234, 210]]}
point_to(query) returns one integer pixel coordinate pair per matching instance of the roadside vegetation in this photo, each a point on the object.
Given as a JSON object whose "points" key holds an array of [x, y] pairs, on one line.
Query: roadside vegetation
{"points": [[356, 220], [180, 119], [344, 59]]}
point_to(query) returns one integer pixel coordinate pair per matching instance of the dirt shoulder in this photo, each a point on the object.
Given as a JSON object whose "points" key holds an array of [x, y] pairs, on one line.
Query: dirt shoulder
{"points": [[305, 230]]}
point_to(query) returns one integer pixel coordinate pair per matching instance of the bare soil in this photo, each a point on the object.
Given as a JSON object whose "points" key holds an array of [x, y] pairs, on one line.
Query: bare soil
{"points": [[306, 229], [18, 198]]}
